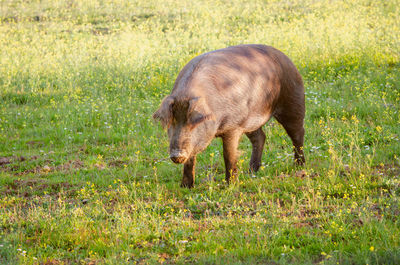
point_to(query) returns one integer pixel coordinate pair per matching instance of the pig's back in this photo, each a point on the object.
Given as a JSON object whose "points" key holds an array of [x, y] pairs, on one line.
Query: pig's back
{"points": [[242, 84]]}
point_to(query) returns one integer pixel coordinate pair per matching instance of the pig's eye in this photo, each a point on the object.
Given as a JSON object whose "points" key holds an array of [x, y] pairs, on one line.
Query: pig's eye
{"points": [[197, 119]]}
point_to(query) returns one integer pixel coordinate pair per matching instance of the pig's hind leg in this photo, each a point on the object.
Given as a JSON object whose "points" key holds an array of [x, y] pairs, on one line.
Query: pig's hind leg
{"points": [[257, 139], [293, 124]]}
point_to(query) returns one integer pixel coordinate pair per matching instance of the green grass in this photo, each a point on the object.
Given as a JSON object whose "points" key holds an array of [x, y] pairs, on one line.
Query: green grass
{"points": [[84, 171]]}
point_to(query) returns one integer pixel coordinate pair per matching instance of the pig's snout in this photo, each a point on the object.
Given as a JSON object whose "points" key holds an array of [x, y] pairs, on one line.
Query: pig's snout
{"points": [[178, 156]]}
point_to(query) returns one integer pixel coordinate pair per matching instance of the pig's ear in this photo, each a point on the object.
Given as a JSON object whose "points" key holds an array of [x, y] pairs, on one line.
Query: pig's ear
{"points": [[198, 111], [164, 113]]}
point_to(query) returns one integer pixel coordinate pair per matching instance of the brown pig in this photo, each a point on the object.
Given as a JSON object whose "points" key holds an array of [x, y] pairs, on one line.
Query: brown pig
{"points": [[226, 93]]}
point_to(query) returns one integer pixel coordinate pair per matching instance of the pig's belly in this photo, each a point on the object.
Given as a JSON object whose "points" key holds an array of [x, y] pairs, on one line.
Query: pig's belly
{"points": [[253, 122]]}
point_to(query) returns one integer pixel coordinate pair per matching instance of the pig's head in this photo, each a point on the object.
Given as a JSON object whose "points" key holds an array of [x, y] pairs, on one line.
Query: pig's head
{"points": [[190, 124]]}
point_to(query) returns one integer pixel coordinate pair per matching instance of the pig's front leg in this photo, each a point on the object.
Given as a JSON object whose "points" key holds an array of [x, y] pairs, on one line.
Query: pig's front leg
{"points": [[230, 142], [188, 173]]}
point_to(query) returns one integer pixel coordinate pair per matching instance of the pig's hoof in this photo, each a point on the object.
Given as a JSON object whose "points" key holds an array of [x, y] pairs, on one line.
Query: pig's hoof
{"points": [[300, 161], [253, 170], [187, 184], [231, 179], [254, 167]]}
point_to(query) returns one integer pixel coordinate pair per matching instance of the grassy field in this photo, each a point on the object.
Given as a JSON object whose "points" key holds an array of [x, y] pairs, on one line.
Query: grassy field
{"points": [[84, 171]]}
